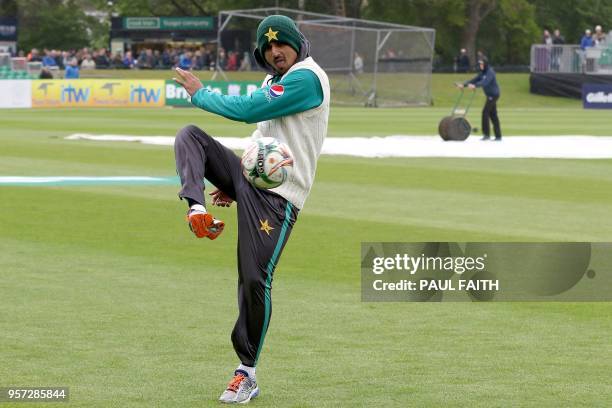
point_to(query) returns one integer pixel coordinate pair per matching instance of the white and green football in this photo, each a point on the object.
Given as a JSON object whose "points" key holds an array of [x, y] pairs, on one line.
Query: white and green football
{"points": [[267, 163]]}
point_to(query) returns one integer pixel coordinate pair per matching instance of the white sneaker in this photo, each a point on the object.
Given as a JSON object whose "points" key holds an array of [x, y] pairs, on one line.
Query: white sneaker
{"points": [[247, 390], [233, 387], [228, 396]]}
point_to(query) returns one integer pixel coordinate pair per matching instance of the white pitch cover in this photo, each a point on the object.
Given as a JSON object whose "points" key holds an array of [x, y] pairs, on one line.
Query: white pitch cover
{"points": [[15, 93]]}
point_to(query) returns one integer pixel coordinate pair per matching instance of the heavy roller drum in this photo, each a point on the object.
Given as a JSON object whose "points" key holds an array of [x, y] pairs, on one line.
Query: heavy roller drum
{"points": [[456, 127]]}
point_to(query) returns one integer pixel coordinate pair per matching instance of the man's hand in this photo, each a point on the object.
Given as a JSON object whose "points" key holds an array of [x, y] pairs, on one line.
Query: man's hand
{"points": [[188, 81], [472, 86], [220, 199]]}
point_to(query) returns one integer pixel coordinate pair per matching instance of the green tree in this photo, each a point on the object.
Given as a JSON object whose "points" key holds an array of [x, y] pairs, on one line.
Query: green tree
{"points": [[52, 24], [147, 8], [475, 11], [503, 29], [506, 36], [446, 16], [572, 17], [8, 8]]}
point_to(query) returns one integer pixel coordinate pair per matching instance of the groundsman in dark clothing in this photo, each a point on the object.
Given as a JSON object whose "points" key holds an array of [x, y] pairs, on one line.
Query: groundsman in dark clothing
{"points": [[487, 81]]}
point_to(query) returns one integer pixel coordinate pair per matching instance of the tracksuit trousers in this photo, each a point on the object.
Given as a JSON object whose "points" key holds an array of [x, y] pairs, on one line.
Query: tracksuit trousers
{"points": [[265, 221], [489, 112]]}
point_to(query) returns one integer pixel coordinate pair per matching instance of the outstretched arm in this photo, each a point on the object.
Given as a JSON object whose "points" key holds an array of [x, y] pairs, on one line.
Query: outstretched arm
{"points": [[299, 91], [474, 81]]}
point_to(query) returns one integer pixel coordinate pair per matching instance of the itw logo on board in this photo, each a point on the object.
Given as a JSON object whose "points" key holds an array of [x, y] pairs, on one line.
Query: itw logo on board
{"points": [[73, 94], [142, 94]]}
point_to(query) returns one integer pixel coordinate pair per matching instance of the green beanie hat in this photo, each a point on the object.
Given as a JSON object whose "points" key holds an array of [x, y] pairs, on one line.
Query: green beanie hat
{"points": [[278, 28]]}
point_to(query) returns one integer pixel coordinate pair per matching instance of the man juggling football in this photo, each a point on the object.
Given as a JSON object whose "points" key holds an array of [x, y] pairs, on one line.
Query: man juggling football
{"points": [[291, 106]]}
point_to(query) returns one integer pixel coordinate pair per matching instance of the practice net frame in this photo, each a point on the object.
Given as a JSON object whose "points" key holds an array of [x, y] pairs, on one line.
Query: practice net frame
{"points": [[369, 63]]}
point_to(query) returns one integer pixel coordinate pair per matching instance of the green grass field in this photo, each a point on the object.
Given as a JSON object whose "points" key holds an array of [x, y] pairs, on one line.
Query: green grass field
{"points": [[105, 290]]}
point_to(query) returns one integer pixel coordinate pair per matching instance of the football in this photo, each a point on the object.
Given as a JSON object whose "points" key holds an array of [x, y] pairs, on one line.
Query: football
{"points": [[267, 163]]}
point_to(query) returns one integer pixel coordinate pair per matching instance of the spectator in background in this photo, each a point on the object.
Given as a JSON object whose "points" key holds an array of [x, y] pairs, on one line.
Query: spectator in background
{"points": [[146, 59], [48, 60], [88, 63], [599, 37], [78, 54], [245, 63], [128, 60], [72, 69], [390, 54], [222, 59], [463, 61], [197, 60], [101, 59], [557, 52], [57, 56], [117, 61], [185, 61], [546, 38], [232, 61], [141, 60], [558, 39], [206, 58], [587, 40], [151, 59], [358, 63], [66, 57], [45, 73], [166, 58], [157, 59], [34, 56]]}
